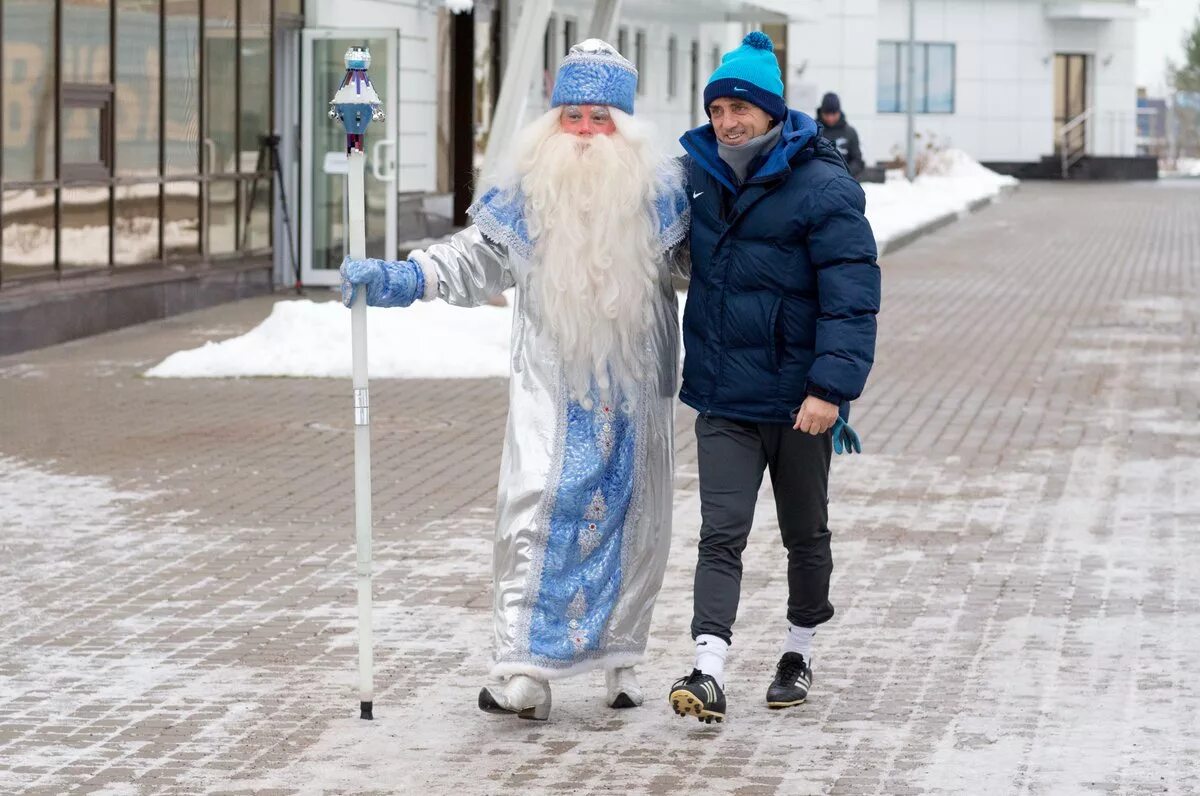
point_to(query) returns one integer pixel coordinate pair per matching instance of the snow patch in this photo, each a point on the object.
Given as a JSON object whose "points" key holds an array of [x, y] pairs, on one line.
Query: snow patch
{"points": [[312, 339], [1184, 167], [309, 339], [952, 182]]}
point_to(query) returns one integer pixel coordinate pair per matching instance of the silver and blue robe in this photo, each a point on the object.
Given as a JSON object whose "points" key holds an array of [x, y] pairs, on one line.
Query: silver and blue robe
{"points": [[583, 520]]}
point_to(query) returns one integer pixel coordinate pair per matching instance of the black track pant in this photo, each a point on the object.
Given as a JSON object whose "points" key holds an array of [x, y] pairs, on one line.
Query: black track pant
{"points": [[732, 457]]}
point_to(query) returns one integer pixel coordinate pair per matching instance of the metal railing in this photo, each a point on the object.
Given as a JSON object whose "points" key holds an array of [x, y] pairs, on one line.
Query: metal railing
{"points": [[1072, 153], [1107, 133]]}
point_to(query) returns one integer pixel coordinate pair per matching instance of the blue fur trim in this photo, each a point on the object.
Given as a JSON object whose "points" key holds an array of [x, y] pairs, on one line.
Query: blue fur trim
{"points": [[500, 215], [674, 216], [420, 274]]}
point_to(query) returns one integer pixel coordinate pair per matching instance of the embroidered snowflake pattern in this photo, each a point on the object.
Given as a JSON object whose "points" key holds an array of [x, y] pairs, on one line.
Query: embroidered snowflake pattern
{"points": [[578, 607], [577, 610], [589, 539], [606, 436], [597, 508]]}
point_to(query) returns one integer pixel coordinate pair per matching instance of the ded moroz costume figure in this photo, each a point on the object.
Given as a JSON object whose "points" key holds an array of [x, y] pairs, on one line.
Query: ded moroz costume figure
{"points": [[585, 226]]}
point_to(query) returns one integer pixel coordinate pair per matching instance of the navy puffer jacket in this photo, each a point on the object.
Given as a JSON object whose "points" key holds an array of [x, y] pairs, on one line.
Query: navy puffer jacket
{"points": [[784, 286]]}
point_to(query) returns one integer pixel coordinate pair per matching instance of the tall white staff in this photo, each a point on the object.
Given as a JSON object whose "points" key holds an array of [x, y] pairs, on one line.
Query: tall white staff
{"points": [[355, 104]]}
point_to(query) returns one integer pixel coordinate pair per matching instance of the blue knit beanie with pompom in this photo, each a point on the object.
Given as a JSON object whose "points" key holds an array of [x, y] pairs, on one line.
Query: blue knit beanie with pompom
{"points": [[750, 72]]}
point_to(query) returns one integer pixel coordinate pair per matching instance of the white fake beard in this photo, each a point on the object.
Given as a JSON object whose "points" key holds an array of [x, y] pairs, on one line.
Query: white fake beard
{"points": [[590, 210]]}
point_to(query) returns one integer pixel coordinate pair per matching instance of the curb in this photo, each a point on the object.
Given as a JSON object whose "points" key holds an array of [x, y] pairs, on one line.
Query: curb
{"points": [[933, 225]]}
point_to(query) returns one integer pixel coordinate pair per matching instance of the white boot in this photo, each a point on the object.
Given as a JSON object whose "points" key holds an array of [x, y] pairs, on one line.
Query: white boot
{"points": [[526, 696], [622, 687]]}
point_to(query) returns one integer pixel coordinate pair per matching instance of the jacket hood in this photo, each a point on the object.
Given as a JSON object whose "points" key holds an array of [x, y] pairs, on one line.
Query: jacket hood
{"points": [[799, 134]]}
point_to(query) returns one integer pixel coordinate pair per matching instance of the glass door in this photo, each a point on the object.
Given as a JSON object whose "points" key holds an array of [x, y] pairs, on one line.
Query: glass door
{"points": [[323, 152], [1070, 100]]}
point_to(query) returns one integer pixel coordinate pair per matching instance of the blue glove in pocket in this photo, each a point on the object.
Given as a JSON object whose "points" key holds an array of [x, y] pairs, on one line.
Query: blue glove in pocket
{"points": [[845, 439]]}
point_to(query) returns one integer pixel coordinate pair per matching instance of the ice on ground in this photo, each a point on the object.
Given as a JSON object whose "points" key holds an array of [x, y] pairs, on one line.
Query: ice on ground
{"points": [[24, 507]]}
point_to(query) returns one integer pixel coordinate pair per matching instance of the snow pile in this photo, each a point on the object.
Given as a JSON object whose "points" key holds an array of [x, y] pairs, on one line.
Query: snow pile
{"points": [[949, 185], [1184, 167], [312, 339], [459, 6]]}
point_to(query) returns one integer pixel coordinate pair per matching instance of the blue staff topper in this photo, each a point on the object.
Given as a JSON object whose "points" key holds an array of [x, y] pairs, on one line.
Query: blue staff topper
{"points": [[356, 104]]}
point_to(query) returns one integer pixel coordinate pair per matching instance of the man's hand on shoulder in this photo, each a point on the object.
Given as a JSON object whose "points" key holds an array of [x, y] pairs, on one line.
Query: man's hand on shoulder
{"points": [[816, 416]]}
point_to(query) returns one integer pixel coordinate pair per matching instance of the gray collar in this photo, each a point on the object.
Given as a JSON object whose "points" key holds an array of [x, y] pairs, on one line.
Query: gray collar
{"points": [[741, 156]]}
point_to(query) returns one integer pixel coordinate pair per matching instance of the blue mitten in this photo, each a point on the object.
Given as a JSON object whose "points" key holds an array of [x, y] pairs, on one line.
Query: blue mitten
{"points": [[845, 439], [388, 283]]}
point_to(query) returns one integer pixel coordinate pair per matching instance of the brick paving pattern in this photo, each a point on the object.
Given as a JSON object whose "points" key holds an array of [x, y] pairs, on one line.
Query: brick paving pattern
{"points": [[1014, 557]]}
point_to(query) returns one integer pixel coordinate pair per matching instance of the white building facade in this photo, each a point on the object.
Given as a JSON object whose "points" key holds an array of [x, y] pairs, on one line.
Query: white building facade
{"points": [[995, 78], [998, 79]]}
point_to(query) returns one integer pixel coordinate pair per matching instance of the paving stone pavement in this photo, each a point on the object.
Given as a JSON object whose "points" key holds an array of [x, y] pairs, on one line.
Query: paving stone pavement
{"points": [[1015, 556]]}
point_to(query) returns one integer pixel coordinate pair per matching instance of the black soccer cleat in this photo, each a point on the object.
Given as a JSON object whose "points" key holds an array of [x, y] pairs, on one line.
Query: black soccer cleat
{"points": [[793, 678], [699, 695]]}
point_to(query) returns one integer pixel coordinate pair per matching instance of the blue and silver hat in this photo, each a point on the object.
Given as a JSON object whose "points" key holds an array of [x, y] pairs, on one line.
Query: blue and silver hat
{"points": [[594, 73]]}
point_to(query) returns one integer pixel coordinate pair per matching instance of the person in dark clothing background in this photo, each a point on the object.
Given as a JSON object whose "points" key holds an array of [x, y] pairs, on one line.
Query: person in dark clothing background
{"points": [[779, 331], [837, 131]]}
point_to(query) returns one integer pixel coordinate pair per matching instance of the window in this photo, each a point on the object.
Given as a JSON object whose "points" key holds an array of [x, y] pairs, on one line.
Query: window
{"points": [[86, 93], [220, 154], [549, 63], [933, 91], [570, 30], [672, 67], [716, 59], [639, 59], [548, 45], [117, 149], [623, 42], [181, 104], [779, 38], [254, 124], [30, 124], [87, 151]]}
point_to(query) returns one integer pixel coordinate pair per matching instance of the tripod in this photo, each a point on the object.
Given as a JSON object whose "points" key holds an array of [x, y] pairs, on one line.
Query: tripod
{"points": [[268, 149]]}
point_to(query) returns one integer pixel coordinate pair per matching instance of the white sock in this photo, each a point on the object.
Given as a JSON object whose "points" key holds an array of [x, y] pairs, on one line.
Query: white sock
{"points": [[710, 656], [800, 639]]}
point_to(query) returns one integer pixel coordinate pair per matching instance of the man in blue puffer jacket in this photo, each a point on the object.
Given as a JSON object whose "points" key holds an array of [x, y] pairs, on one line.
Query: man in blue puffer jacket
{"points": [[779, 331]]}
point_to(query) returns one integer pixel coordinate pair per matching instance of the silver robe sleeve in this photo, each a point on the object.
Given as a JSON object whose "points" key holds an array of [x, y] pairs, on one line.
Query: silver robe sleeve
{"points": [[679, 261], [466, 270]]}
